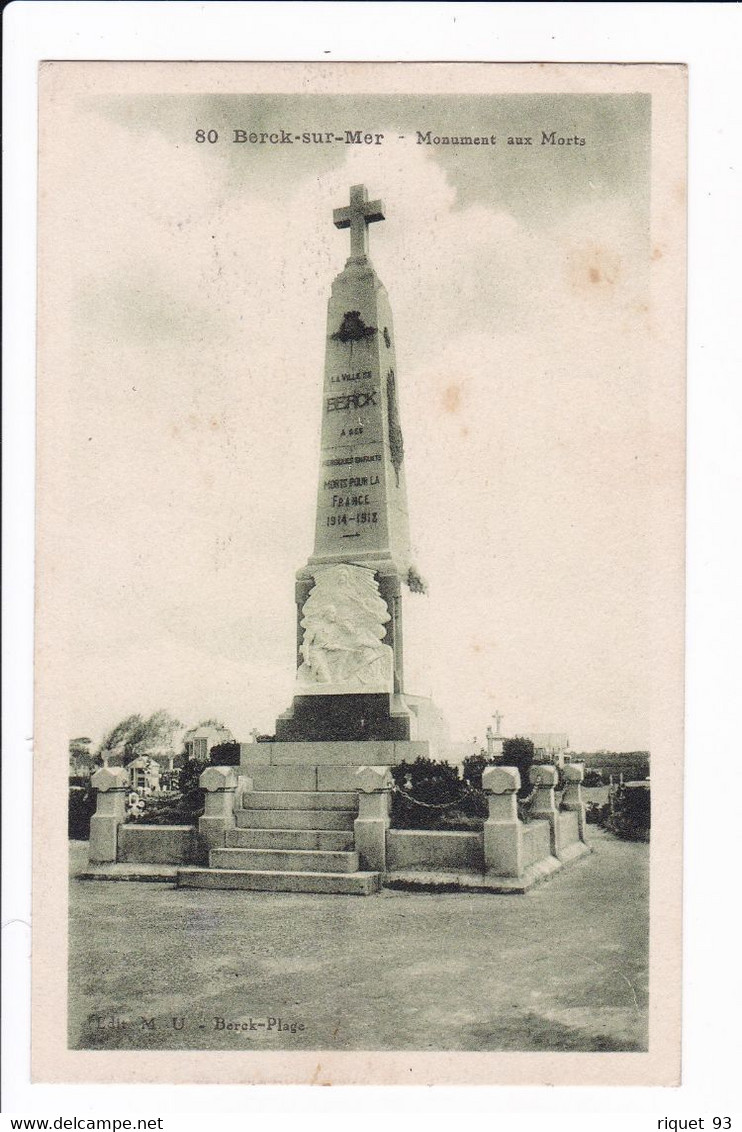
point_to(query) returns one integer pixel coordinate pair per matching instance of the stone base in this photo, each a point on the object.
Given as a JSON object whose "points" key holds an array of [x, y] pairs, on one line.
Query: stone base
{"points": [[467, 880], [137, 873], [159, 845], [575, 852], [254, 880], [358, 717], [323, 766], [413, 880], [433, 851]]}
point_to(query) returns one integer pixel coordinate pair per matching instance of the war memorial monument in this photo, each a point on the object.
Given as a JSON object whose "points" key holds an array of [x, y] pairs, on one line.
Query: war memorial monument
{"points": [[309, 811]]}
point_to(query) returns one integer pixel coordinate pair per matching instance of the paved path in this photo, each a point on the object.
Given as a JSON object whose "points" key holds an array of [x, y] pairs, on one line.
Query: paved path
{"points": [[561, 968]]}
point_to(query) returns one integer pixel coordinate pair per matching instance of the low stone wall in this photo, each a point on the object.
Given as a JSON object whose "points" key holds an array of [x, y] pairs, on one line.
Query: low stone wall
{"points": [[505, 849], [536, 843], [435, 852], [159, 845]]}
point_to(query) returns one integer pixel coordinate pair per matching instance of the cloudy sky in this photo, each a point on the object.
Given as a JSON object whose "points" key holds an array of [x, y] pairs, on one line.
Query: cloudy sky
{"points": [[183, 383]]}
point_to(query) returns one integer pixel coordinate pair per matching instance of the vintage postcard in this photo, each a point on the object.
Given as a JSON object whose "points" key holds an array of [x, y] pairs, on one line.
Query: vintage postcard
{"points": [[360, 529]]}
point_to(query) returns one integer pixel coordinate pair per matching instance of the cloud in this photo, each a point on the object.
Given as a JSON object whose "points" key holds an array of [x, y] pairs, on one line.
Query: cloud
{"points": [[190, 432]]}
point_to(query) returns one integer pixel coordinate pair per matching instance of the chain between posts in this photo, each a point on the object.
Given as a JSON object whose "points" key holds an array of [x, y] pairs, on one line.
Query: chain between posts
{"points": [[470, 793], [523, 803]]}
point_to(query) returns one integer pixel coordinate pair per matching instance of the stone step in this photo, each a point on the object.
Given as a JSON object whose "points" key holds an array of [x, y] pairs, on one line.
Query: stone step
{"points": [[330, 840], [303, 777], [295, 819], [299, 800], [284, 860], [351, 884], [334, 753], [283, 777]]}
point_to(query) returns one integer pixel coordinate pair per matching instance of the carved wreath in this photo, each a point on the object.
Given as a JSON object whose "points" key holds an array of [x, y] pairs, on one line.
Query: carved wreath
{"points": [[353, 328], [396, 440]]}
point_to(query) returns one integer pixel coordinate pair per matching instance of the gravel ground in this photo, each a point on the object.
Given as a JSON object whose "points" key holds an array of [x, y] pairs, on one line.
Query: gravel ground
{"points": [[564, 967]]}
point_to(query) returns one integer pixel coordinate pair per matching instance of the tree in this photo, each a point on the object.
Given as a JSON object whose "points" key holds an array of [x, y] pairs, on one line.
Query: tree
{"points": [[138, 735], [82, 760], [519, 752]]}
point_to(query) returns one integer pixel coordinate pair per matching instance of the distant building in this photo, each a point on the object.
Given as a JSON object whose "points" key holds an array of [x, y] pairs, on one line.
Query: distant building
{"points": [[457, 752], [200, 740], [549, 746], [164, 755], [426, 719], [144, 773], [116, 756]]}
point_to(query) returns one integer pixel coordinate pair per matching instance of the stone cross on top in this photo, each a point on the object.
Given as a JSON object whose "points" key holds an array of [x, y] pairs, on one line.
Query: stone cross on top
{"points": [[357, 216]]}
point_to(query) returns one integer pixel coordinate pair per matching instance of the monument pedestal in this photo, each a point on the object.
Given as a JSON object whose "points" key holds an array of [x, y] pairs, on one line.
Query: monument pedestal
{"points": [[356, 718], [380, 718], [316, 760]]}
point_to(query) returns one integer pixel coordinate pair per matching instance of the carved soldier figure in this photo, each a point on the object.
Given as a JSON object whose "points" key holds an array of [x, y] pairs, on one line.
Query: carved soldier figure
{"points": [[344, 625]]}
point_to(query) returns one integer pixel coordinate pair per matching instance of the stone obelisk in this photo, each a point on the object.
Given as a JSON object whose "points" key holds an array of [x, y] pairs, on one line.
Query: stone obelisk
{"points": [[350, 673], [362, 501]]}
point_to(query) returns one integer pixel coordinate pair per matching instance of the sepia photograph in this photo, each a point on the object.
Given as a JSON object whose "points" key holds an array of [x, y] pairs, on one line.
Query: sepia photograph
{"points": [[360, 553]]}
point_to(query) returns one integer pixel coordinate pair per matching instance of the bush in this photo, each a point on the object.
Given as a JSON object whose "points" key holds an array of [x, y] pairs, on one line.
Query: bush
{"points": [[597, 814], [630, 813], [519, 753], [192, 795], [450, 803], [81, 807], [592, 778], [183, 807], [515, 752], [225, 754], [626, 814], [169, 809], [473, 768]]}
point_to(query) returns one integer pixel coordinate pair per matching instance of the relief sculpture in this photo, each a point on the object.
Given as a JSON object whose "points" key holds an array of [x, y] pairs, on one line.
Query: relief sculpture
{"points": [[344, 621]]}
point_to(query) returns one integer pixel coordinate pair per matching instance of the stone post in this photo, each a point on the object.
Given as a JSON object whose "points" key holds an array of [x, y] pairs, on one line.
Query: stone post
{"points": [[244, 786], [572, 797], [503, 833], [220, 784], [375, 785], [112, 784], [544, 777]]}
